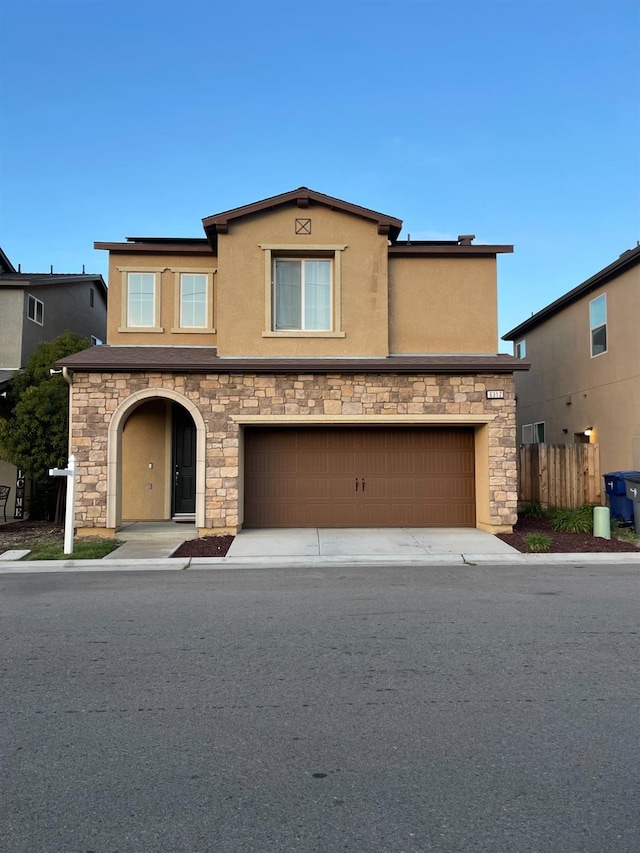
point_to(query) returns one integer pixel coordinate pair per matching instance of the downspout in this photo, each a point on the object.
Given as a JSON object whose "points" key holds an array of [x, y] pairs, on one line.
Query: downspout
{"points": [[68, 377]]}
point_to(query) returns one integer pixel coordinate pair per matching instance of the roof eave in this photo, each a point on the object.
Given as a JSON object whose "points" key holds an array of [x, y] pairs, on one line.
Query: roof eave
{"points": [[625, 262]]}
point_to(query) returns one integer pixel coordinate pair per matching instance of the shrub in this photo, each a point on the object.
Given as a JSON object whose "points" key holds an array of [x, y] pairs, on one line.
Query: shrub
{"points": [[533, 510], [537, 541], [578, 520]]}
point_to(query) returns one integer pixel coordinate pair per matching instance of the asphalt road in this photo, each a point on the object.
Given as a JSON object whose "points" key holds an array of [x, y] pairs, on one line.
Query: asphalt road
{"points": [[444, 709]]}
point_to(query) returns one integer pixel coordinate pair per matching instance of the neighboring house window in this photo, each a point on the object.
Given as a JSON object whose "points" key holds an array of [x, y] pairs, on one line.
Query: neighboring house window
{"points": [[521, 349], [533, 433], [598, 324], [95, 342], [193, 300], [141, 299], [35, 310]]}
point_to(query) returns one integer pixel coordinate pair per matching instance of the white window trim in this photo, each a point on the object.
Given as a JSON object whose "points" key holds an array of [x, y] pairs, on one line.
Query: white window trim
{"points": [[31, 298], [520, 348], [207, 329], [157, 299], [304, 252], [593, 328]]}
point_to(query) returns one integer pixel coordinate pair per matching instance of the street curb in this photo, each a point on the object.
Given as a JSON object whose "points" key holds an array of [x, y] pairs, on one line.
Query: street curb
{"points": [[312, 562]]}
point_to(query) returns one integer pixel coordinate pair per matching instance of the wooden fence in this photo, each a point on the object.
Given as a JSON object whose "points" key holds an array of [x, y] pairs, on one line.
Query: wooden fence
{"points": [[561, 476]]}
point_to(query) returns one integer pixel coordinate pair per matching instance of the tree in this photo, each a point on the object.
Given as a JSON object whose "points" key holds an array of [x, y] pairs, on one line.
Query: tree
{"points": [[34, 432]]}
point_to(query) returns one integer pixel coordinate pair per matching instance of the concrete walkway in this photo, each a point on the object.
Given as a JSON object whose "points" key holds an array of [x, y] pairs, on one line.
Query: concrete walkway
{"points": [[366, 541], [144, 540]]}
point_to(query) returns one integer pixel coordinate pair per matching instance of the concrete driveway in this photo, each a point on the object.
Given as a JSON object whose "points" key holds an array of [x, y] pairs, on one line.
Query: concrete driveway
{"points": [[365, 541]]}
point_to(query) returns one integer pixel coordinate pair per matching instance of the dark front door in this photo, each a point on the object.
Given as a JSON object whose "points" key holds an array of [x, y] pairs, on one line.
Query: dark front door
{"points": [[184, 463]]}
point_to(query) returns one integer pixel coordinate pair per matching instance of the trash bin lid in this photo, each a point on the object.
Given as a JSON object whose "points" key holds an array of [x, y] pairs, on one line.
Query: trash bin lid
{"points": [[622, 474]]}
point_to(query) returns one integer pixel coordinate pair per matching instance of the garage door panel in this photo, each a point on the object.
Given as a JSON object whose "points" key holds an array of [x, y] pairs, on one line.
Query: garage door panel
{"points": [[307, 477]]}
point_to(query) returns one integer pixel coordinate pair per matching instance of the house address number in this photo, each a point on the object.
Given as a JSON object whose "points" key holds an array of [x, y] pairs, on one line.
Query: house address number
{"points": [[495, 395]]}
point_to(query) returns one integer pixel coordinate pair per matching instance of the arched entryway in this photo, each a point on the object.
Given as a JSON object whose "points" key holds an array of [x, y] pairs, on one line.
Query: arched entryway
{"points": [[156, 452]]}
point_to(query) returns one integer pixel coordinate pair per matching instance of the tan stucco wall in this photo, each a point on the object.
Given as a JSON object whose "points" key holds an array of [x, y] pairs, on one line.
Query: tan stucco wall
{"points": [[443, 305], [146, 440], [226, 402], [242, 284], [166, 267], [569, 390], [11, 322]]}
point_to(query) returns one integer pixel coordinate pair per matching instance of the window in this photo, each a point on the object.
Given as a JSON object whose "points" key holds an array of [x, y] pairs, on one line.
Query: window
{"points": [[193, 300], [141, 299], [95, 342], [35, 310], [533, 433], [302, 294], [303, 291], [598, 324], [521, 349]]}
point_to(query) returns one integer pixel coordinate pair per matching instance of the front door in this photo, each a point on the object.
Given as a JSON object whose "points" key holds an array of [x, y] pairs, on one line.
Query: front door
{"points": [[184, 463]]}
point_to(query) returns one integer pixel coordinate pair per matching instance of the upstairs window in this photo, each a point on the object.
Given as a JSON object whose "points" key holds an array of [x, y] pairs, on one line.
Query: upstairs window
{"points": [[521, 349], [598, 325], [35, 310], [141, 300], [302, 294], [193, 300], [95, 342]]}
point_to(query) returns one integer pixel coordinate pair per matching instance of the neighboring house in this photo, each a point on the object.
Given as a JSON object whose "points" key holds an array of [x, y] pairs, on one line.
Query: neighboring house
{"points": [[37, 307], [298, 366], [584, 351]]}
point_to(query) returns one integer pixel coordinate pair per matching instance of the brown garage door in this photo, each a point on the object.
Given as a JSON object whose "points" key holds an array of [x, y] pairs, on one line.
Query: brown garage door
{"points": [[359, 477]]}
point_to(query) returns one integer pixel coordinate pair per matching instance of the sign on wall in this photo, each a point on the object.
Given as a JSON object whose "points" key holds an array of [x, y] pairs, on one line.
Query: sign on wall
{"points": [[18, 512]]}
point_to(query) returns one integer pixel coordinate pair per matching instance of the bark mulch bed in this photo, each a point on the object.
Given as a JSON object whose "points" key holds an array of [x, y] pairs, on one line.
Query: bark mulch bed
{"points": [[28, 533], [563, 543], [208, 546]]}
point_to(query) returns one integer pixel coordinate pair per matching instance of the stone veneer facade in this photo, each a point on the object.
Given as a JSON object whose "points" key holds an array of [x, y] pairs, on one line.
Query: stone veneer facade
{"points": [[218, 397]]}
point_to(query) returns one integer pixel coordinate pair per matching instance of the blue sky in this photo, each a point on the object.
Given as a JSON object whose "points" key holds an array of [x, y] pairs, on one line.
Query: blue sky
{"points": [[515, 120]]}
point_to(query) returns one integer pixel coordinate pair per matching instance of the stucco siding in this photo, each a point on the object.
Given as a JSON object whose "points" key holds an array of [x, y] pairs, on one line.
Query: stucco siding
{"points": [[443, 305], [570, 390], [11, 328]]}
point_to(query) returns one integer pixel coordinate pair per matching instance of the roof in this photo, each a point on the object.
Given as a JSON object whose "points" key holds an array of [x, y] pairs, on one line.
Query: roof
{"points": [[625, 262], [189, 359], [25, 279], [5, 264], [301, 197], [6, 376]]}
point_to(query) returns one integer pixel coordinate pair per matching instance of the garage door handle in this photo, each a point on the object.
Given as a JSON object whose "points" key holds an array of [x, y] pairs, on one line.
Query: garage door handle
{"points": [[363, 484], [356, 484]]}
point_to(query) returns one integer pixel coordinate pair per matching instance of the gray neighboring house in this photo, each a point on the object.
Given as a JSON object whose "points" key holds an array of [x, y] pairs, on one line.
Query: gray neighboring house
{"points": [[37, 307]]}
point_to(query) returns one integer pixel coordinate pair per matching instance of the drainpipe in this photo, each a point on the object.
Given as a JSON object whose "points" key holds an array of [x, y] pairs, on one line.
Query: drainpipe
{"points": [[68, 377]]}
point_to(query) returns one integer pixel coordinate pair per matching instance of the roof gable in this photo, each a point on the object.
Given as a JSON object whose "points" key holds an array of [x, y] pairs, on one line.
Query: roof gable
{"points": [[302, 197]]}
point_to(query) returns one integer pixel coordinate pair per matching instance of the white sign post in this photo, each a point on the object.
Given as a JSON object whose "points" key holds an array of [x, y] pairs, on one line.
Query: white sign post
{"points": [[70, 474]]}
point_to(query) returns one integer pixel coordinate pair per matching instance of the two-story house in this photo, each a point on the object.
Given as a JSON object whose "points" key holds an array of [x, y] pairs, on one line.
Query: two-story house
{"points": [[37, 307], [584, 351], [298, 366]]}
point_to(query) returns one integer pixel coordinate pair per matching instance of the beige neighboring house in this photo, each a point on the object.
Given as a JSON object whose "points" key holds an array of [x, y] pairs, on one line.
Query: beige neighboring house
{"points": [[297, 366], [584, 382], [37, 307]]}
